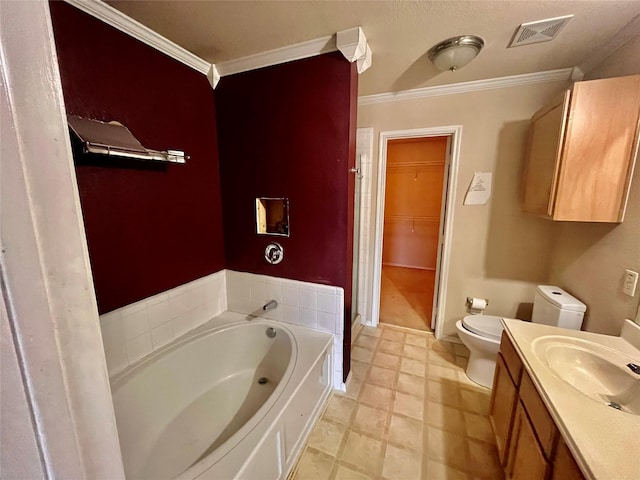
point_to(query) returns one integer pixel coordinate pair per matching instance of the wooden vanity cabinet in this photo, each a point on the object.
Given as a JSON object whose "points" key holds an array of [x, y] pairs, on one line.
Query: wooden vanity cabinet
{"points": [[529, 444], [504, 396], [581, 152]]}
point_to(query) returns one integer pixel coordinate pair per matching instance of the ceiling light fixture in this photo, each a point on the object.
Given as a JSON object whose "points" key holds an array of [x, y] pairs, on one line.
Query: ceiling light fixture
{"points": [[455, 52]]}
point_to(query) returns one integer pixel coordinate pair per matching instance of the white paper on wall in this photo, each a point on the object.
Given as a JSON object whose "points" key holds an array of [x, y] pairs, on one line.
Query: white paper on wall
{"points": [[480, 189]]}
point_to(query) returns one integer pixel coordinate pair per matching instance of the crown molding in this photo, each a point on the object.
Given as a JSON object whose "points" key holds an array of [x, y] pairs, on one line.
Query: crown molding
{"points": [[290, 53], [465, 87], [135, 29]]}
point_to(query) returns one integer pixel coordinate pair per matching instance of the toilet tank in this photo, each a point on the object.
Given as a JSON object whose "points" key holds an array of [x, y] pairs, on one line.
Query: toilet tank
{"points": [[553, 306]]}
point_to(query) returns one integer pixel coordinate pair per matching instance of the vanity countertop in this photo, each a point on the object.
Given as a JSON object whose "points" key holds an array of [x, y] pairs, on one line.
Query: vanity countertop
{"points": [[604, 442]]}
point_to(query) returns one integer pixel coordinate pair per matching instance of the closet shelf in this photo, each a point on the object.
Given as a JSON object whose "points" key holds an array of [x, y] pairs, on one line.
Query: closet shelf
{"points": [[414, 164], [405, 218]]}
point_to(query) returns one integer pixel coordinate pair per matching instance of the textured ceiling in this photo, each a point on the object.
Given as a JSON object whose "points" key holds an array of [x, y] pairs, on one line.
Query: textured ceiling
{"points": [[399, 32]]}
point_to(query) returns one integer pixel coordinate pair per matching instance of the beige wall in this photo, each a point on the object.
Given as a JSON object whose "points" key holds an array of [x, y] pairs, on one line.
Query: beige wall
{"points": [[498, 252], [590, 259]]}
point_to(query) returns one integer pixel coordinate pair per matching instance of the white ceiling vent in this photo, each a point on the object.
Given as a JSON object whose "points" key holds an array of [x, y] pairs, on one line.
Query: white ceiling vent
{"points": [[540, 31]]}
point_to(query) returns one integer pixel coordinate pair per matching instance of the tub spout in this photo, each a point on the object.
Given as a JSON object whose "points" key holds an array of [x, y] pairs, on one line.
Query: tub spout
{"points": [[270, 305]]}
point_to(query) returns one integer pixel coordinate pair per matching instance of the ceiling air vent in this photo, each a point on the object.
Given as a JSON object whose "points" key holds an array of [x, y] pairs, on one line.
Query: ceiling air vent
{"points": [[540, 31]]}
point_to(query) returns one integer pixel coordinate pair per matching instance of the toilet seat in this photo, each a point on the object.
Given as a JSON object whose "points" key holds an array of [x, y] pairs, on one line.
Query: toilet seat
{"points": [[489, 326]]}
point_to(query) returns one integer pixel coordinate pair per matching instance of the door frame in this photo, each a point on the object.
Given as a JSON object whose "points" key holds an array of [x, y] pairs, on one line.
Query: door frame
{"points": [[454, 132]]}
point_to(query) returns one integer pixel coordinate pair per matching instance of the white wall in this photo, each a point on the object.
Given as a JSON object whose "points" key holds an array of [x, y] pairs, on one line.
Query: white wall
{"points": [[498, 252]]}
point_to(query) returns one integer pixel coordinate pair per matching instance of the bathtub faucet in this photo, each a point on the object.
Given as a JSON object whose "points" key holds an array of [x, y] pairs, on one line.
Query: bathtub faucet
{"points": [[270, 305]]}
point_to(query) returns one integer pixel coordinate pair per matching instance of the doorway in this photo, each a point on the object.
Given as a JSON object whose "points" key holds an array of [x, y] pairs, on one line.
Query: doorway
{"points": [[414, 217], [413, 202]]}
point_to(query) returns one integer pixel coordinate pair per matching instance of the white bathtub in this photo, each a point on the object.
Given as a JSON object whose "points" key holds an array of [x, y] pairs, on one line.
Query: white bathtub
{"points": [[226, 401]]}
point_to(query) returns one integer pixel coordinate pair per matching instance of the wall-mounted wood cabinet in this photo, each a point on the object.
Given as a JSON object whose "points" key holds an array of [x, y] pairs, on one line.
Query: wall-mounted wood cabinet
{"points": [[529, 444], [581, 153]]}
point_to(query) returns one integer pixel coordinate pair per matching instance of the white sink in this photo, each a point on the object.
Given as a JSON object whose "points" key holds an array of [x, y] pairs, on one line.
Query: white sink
{"points": [[599, 372]]}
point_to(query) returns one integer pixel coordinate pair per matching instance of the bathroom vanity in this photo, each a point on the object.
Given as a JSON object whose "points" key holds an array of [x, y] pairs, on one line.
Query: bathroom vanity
{"points": [[564, 405]]}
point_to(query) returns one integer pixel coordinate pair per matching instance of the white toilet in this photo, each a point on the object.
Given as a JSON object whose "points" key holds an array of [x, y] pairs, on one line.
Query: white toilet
{"points": [[481, 333]]}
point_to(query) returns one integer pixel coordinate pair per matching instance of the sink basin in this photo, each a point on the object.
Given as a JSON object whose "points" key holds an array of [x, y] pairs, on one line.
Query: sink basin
{"points": [[594, 370]]}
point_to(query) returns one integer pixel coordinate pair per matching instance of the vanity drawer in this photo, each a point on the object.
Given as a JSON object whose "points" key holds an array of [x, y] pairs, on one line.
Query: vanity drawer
{"points": [[542, 423], [511, 359]]}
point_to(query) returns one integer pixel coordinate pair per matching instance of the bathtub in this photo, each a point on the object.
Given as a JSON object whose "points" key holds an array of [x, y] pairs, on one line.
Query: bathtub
{"points": [[234, 399]]}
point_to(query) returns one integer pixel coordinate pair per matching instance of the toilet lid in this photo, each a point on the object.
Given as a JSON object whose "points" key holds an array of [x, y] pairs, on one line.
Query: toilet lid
{"points": [[484, 325]]}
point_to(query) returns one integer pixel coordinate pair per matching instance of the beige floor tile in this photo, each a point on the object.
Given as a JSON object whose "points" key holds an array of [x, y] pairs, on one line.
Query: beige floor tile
{"points": [[354, 385], [362, 451], [418, 339], [390, 346], [378, 397], [484, 460], [440, 471], [393, 334], [386, 360], [411, 384], [447, 448], [445, 359], [401, 464], [370, 420], [414, 367], [340, 409], [346, 473], [440, 373], [446, 393], [327, 437], [361, 354], [406, 431], [408, 405], [371, 331], [359, 369], [445, 418], [462, 362], [478, 427], [460, 350], [415, 352], [382, 376], [366, 341], [475, 401], [442, 346], [314, 466]]}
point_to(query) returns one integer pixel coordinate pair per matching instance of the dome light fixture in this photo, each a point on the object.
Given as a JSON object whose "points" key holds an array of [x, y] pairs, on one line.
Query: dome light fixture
{"points": [[455, 52]]}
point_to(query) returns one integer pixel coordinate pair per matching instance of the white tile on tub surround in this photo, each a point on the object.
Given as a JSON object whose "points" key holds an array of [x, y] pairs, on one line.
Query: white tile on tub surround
{"points": [[308, 318], [159, 314], [135, 330], [139, 347], [117, 359], [135, 323], [162, 335], [289, 293], [112, 330], [327, 322], [290, 314], [307, 298], [327, 302]]}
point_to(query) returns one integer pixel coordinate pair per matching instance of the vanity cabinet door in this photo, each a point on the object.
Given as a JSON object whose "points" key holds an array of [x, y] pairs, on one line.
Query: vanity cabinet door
{"points": [[526, 460], [503, 400], [564, 466]]}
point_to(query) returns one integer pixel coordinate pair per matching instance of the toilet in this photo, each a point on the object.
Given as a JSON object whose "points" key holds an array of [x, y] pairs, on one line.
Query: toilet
{"points": [[481, 333]]}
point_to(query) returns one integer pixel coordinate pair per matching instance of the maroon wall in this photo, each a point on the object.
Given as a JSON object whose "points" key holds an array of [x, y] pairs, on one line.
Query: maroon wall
{"points": [[148, 228], [289, 131]]}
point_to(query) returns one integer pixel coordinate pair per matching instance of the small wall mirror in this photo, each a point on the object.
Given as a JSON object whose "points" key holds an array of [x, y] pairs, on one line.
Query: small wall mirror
{"points": [[272, 216]]}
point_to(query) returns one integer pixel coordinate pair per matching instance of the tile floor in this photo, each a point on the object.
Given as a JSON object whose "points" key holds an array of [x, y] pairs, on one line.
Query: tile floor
{"points": [[409, 413]]}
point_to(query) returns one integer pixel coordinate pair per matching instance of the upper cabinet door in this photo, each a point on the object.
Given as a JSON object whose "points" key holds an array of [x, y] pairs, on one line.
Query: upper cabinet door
{"points": [[545, 147], [582, 151]]}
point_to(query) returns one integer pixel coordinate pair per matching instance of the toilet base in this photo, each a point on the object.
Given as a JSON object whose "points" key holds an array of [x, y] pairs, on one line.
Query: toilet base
{"points": [[481, 369]]}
